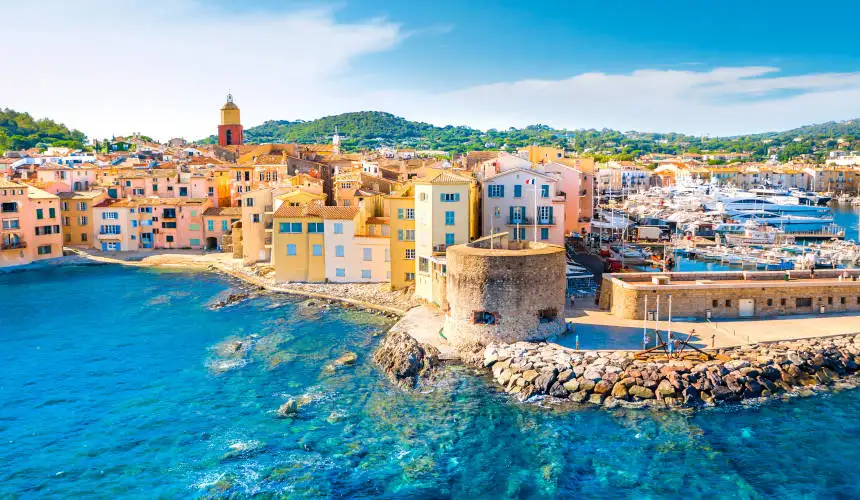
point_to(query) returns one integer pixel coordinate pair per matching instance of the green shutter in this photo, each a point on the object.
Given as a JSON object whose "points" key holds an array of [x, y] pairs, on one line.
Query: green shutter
{"points": [[400, 213], [399, 235]]}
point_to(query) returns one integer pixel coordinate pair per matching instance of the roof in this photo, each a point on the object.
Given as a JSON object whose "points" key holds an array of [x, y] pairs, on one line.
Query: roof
{"points": [[343, 213], [84, 195], [223, 211], [9, 184], [445, 178], [521, 170], [38, 194]]}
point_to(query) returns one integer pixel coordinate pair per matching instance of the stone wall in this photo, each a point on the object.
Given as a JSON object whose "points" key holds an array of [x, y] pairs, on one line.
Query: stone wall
{"points": [[613, 378], [625, 297], [504, 295]]}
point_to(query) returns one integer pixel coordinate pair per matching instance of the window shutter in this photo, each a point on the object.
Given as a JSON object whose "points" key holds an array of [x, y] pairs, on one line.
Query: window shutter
{"points": [[399, 235], [512, 213], [550, 214], [456, 196], [501, 191], [441, 196], [400, 213]]}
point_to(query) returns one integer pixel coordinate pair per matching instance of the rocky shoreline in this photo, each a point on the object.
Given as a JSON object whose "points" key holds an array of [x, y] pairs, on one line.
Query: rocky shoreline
{"points": [[536, 371]]}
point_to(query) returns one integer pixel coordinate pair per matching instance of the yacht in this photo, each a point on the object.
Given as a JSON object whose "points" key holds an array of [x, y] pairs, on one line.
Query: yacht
{"points": [[788, 223], [777, 204]]}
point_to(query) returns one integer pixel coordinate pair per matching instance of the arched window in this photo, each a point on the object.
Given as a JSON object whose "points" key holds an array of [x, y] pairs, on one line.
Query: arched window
{"points": [[229, 137]]}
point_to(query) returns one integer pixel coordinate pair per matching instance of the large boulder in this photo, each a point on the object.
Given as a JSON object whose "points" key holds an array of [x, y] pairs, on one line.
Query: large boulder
{"points": [[544, 381], [404, 359], [641, 392], [619, 391]]}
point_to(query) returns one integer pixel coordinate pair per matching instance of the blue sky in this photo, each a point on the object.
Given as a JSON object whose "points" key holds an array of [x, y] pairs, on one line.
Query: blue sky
{"points": [[698, 67]]}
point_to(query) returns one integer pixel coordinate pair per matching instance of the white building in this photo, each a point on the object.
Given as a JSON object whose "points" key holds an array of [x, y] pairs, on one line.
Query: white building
{"points": [[525, 203]]}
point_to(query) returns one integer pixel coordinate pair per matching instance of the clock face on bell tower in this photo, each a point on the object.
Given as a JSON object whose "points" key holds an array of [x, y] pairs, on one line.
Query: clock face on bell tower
{"points": [[230, 131]]}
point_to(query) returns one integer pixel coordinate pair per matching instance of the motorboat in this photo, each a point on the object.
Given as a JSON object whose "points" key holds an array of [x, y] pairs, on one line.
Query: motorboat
{"points": [[779, 205], [788, 223]]}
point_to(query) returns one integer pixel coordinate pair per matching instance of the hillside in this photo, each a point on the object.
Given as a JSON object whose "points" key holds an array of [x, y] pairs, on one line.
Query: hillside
{"points": [[22, 131], [371, 129]]}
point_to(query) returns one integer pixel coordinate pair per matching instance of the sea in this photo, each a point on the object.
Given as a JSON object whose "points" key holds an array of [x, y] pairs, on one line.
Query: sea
{"points": [[123, 382]]}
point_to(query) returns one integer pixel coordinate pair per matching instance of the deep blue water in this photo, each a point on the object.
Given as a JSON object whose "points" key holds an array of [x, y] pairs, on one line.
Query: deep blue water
{"points": [[112, 384]]}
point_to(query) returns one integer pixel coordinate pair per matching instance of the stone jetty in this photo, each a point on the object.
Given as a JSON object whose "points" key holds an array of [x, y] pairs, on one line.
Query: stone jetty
{"points": [[617, 378]]}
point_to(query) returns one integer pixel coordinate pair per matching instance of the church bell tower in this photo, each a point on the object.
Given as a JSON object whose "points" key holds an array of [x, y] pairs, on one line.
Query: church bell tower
{"points": [[230, 132]]}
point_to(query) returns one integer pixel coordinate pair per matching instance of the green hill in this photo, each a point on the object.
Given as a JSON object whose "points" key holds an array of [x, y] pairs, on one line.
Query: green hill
{"points": [[22, 131], [371, 129]]}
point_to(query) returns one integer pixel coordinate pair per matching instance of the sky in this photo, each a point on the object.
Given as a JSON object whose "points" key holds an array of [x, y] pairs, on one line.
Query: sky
{"points": [[164, 67]]}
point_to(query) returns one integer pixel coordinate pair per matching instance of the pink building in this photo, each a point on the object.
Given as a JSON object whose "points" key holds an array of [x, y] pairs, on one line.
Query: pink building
{"points": [[29, 224]]}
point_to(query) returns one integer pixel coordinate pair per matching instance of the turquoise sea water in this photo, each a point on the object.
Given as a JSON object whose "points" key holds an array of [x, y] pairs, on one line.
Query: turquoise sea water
{"points": [[113, 383]]}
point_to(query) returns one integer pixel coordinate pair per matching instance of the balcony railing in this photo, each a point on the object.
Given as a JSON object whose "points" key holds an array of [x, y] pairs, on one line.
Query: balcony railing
{"points": [[12, 245], [269, 209], [440, 248], [528, 221], [267, 241]]}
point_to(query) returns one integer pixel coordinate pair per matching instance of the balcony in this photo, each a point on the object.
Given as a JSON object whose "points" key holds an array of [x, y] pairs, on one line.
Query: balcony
{"points": [[268, 209], [440, 249], [267, 241], [13, 245], [108, 236], [529, 221]]}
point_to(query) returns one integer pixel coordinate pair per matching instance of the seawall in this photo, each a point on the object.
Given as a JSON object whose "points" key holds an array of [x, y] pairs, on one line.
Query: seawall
{"points": [[617, 378]]}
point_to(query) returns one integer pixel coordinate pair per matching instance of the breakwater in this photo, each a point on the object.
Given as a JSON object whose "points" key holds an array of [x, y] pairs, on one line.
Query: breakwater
{"points": [[617, 378]]}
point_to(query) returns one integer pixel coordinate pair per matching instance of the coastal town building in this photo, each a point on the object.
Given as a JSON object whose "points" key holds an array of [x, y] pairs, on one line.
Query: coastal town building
{"points": [[29, 224], [77, 216], [230, 131], [218, 227], [401, 210], [525, 203]]}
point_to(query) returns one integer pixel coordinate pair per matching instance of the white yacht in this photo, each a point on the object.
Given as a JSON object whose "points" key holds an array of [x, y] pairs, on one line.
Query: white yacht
{"points": [[779, 205]]}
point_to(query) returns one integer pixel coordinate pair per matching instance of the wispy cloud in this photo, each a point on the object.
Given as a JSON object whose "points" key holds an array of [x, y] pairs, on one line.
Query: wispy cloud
{"points": [[730, 100]]}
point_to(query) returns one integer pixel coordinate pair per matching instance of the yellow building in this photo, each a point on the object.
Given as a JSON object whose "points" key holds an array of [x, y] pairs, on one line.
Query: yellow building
{"points": [[76, 209], [298, 249], [401, 209], [299, 198], [542, 154]]}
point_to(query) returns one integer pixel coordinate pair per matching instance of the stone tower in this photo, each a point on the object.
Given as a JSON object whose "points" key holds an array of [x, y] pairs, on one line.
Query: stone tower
{"points": [[230, 132]]}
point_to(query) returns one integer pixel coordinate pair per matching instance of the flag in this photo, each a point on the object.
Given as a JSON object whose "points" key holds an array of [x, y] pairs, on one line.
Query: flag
{"points": [[530, 181]]}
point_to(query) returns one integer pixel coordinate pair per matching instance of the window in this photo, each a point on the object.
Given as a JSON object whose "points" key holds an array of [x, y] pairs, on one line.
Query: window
{"points": [[484, 318], [249, 202], [83, 220], [410, 214], [410, 254], [387, 255], [782, 302], [67, 238], [134, 223], [449, 239], [169, 225], [317, 250], [338, 228], [769, 302], [67, 221], [194, 213], [169, 238], [365, 274], [109, 229], [547, 315], [39, 214], [496, 190], [803, 302], [315, 227], [338, 251], [340, 272], [450, 197], [44, 250], [544, 233], [518, 191], [829, 301], [224, 225], [545, 215], [368, 254], [423, 265], [210, 225], [449, 218], [83, 236], [728, 303], [521, 235], [195, 242], [255, 218], [9, 207], [51, 213], [842, 300], [65, 205], [400, 214], [291, 249], [544, 191], [290, 227], [410, 277], [11, 224]]}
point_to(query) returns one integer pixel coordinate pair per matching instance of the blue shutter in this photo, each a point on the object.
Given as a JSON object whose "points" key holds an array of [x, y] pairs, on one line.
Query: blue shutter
{"points": [[501, 191], [550, 215], [456, 196], [511, 209]]}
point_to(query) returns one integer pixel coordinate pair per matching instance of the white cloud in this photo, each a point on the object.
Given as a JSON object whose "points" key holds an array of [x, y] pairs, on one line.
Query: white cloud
{"points": [[163, 67], [720, 101]]}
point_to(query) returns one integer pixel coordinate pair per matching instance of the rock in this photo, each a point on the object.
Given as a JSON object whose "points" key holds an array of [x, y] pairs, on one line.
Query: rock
{"points": [[602, 387], [592, 374], [753, 389], [545, 381], [504, 376], [571, 385], [596, 399], [586, 385], [736, 364], [404, 359], [558, 390], [288, 409], [610, 403], [619, 391], [564, 376], [346, 359], [578, 396], [665, 389], [641, 392], [530, 375]]}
